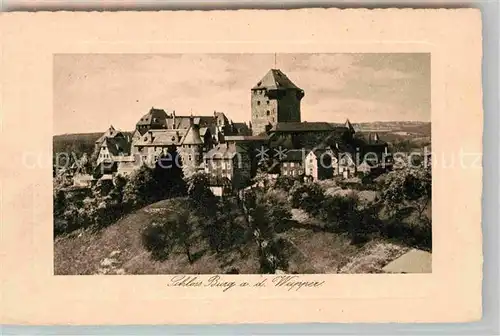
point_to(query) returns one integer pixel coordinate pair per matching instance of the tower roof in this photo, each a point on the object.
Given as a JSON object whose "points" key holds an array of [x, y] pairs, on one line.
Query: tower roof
{"points": [[154, 115], [349, 125], [275, 79], [192, 136]]}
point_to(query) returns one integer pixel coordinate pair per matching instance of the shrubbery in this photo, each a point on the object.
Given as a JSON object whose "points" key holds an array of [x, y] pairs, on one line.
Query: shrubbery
{"points": [[307, 196], [111, 199], [173, 231], [267, 213]]}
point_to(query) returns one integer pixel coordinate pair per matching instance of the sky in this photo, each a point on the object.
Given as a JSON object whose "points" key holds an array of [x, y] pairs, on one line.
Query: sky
{"points": [[94, 91]]}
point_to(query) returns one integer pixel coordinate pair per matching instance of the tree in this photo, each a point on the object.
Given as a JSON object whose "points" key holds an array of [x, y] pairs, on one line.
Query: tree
{"points": [[307, 196], [286, 182], [338, 211], [176, 229], [141, 189], [169, 175], [198, 190], [266, 212], [408, 187]]}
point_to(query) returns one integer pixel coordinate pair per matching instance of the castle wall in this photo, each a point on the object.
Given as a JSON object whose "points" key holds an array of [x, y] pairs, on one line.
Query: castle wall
{"points": [[191, 157], [273, 106], [264, 111], [289, 106]]}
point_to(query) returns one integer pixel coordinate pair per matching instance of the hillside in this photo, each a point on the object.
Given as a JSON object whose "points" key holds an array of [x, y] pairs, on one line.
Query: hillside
{"points": [[118, 250], [78, 142]]}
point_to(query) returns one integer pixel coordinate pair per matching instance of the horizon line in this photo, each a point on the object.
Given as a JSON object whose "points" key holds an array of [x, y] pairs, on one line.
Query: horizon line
{"points": [[354, 123]]}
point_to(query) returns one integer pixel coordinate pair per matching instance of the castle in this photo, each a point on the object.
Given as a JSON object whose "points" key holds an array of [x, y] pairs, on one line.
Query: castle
{"points": [[229, 151]]}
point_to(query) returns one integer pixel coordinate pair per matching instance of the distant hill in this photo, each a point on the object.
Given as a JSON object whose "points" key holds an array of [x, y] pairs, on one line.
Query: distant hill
{"points": [[78, 143], [420, 128]]}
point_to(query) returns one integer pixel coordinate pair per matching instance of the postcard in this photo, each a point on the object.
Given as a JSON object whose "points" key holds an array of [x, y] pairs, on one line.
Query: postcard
{"points": [[253, 166]]}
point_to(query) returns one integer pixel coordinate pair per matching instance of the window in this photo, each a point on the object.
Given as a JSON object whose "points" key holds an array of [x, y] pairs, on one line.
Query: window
{"points": [[190, 157], [292, 164], [258, 102], [268, 112], [268, 102]]}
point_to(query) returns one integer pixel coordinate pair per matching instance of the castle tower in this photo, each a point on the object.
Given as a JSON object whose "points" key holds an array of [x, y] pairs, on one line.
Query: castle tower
{"points": [[191, 149], [274, 99]]}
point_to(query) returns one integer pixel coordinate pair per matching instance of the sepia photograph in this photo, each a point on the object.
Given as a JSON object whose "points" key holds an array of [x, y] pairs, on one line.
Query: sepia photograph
{"points": [[275, 163]]}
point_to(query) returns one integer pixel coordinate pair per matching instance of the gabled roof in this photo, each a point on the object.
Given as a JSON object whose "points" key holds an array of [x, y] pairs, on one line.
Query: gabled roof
{"points": [[318, 151], [111, 132], [275, 79], [297, 126], [242, 128], [349, 126], [247, 138], [294, 155], [153, 116], [117, 146], [161, 138], [414, 261], [192, 136], [224, 151]]}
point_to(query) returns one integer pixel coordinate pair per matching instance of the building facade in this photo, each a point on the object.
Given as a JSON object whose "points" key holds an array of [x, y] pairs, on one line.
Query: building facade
{"points": [[274, 99], [228, 162]]}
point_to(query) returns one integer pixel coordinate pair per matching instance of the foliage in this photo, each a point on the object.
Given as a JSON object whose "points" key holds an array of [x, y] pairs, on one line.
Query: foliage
{"points": [[274, 256], [175, 230], [198, 190], [408, 187], [141, 188], [267, 213], [227, 228], [307, 196], [286, 182], [169, 176], [158, 240]]}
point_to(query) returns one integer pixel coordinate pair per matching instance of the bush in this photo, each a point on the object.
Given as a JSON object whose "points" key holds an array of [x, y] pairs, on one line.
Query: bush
{"points": [[141, 188], [157, 240], [307, 196], [286, 182], [176, 229], [274, 256]]}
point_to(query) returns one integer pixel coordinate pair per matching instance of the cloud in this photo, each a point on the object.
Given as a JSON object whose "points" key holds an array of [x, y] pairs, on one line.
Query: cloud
{"points": [[92, 91]]}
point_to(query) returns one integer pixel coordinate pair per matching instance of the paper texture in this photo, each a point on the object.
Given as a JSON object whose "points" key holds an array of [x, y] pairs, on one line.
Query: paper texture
{"points": [[32, 294]]}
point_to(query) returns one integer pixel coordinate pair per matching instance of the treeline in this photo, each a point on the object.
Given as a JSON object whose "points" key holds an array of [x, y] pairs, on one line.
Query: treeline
{"points": [[264, 211], [396, 214], [225, 224], [108, 200]]}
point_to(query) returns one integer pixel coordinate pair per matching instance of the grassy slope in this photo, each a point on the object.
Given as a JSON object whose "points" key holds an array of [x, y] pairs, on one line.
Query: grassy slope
{"points": [[311, 251], [83, 253]]}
